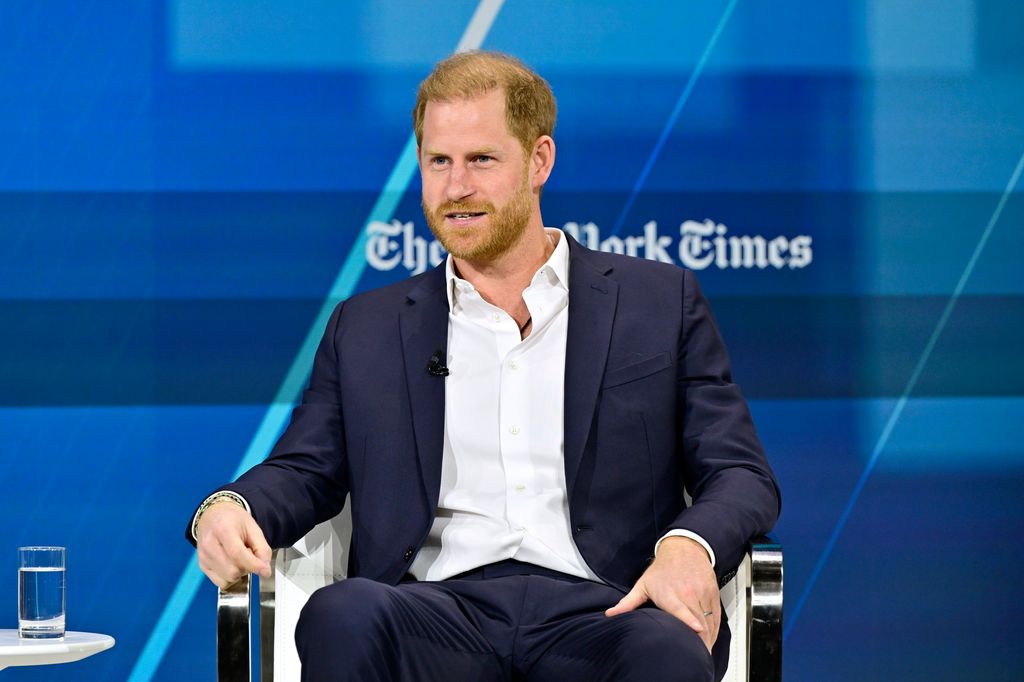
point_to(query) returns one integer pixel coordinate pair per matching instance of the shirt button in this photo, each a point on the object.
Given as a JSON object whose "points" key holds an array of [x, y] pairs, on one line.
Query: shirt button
{"points": [[520, 488], [514, 430], [495, 317], [513, 365]]}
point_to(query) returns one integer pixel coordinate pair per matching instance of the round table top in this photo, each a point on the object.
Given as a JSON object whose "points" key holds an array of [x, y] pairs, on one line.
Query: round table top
{"points": [[73, 646]]}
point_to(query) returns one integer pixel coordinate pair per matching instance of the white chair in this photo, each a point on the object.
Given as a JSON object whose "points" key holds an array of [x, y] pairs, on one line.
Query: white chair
{"points": [[752, 599]]}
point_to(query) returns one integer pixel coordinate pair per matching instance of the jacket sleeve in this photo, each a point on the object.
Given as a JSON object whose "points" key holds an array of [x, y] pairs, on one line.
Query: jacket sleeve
{"points": [[304, 480], [733, 489]]}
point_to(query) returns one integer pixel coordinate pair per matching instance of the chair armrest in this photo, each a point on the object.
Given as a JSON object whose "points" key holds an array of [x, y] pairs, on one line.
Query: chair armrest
{"points": [[233, 653], [765, 610]]}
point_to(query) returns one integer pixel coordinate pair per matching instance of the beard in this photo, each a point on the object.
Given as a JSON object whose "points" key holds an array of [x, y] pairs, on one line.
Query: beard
{"points": [[477, 244]]}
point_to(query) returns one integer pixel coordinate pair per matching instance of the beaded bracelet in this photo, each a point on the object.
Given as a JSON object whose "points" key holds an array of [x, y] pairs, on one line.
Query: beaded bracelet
{"points": [[222, 496]]}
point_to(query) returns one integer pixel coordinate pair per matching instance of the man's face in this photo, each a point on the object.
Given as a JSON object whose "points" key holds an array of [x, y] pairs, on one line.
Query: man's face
{"points": [[476, 191]]}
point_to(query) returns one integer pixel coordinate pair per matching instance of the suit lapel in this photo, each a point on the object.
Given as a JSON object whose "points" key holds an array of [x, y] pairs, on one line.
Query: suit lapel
{"points": [[424, 326], [592, 301]]}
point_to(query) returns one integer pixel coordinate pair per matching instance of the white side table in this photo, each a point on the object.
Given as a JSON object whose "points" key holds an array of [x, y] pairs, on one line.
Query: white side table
{"points": [[73, 647]]}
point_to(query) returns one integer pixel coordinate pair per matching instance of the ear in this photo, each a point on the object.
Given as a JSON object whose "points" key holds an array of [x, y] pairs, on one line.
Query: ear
{"points": [[542, 160]]}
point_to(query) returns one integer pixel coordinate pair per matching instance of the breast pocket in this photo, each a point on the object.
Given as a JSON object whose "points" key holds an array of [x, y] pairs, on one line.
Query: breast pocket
{"points": [[635, 370]]}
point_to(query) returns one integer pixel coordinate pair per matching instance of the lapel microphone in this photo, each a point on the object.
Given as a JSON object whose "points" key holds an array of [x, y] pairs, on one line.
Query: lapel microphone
{"points": [[435, 367]]}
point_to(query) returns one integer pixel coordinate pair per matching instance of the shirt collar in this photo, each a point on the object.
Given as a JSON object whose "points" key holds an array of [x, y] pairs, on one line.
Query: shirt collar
{"points": [[556, 267]]}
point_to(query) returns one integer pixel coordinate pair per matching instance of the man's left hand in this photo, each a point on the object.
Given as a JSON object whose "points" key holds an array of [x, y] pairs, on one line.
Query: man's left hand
{"points": [[682, 583]]}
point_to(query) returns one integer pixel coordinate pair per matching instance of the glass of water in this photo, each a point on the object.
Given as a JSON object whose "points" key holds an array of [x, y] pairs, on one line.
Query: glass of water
{"points": [[41, 592]]}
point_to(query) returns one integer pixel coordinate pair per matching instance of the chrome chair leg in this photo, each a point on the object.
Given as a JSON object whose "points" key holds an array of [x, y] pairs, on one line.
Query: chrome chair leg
{"points": [[233, 654], [765, 605], [267, 606]]}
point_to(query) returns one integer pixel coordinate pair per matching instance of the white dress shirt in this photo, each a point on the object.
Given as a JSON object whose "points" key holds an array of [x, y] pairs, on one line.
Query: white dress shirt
{"points": [[503, 490]]}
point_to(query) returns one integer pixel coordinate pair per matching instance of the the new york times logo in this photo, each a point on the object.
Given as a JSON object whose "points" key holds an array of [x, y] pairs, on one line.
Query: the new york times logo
{"points": [[698, 246]]}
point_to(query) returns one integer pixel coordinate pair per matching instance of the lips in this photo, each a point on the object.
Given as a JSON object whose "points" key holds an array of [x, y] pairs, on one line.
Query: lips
{"points": [[462, 215]]}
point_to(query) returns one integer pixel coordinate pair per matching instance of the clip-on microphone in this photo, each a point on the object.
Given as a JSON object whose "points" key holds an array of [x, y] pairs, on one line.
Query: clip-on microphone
{"points": [[435, 368]]}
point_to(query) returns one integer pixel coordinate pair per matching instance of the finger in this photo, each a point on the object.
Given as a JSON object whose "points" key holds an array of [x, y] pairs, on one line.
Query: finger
{"points": [[216, 577], [716, 625], [634, 599], [258, 545], [711, 614], [264, 565], [684, 613], [706, 638], [248, 562], [226, 569], [241, 558], [709, 635], [204, 566], [214, 562]]}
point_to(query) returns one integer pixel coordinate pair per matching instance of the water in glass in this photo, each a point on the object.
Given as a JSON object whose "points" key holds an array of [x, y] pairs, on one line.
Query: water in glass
{"points": [[41, 595]]}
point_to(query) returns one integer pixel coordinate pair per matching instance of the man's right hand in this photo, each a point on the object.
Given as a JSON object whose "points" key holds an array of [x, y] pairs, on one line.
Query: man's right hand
{"points": [[230, 544]]}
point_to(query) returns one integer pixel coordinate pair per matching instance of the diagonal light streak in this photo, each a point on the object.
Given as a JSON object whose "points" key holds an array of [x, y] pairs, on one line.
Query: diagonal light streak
{"points": [[276, 416], [674, 116], [890, 424]]}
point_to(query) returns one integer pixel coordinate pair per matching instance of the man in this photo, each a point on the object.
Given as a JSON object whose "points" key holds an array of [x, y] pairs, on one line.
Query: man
{"points": [[515, 429]]}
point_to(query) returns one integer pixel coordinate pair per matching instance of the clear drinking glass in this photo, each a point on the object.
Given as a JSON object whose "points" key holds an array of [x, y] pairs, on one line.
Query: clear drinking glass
{"points": [[41, 592]]}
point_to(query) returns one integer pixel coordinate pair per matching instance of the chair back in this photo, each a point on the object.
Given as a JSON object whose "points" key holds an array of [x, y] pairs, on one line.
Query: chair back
{"points": [[318, 559]]}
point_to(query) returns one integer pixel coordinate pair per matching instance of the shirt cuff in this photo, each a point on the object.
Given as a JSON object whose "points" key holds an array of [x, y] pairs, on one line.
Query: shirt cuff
{"points": [[679, 532], [226, 494]]}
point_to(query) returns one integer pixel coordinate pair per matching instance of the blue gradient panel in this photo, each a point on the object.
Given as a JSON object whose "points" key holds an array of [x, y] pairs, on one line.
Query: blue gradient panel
{"points": [[185, 185], [311, 34], [940, 435]]}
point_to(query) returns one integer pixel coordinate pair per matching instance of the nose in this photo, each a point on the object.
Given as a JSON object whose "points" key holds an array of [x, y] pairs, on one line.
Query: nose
{"points": [[458, 186]]}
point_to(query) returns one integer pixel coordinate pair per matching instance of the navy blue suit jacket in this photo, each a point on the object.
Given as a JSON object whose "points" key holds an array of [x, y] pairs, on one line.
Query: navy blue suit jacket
{"points": [[649, 407]]}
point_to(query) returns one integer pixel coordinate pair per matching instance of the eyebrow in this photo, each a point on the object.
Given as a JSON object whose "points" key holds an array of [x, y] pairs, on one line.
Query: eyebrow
{"points": [[474, 152]]}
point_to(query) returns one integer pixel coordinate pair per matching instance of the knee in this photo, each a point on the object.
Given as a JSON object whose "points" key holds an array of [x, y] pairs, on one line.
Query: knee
{"points": [[346, 609], [659, 646]]}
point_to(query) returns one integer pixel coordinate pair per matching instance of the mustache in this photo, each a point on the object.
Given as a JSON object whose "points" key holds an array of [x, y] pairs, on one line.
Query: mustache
{"points": [[463, 207]]}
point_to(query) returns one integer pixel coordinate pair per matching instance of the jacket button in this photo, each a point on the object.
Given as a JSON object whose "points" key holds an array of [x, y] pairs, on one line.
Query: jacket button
{"points": [[408, 553]]}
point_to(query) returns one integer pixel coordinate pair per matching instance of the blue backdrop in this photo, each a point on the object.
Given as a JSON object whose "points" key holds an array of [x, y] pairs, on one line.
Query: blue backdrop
{"points": [[186, 185]]}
